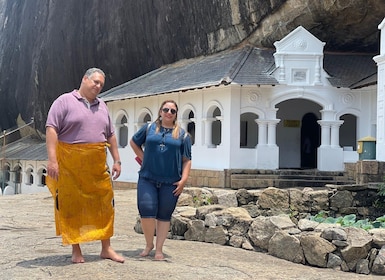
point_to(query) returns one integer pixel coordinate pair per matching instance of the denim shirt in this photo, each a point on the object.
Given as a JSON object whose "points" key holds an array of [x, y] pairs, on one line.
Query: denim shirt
{"points": [[163, 155]]}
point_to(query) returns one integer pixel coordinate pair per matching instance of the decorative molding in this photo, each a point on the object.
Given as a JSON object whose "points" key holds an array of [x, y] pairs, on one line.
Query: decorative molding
{"points": [[254, 97], [300, 76], [300, 45], [347, 98]]}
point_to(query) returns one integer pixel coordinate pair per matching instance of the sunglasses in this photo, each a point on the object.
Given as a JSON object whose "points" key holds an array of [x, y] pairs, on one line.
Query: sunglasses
{"points": [[165, 110]]}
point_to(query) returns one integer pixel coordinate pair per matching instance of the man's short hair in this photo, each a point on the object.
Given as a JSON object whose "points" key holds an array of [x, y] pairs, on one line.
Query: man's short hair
{"points": [[91, 71]]}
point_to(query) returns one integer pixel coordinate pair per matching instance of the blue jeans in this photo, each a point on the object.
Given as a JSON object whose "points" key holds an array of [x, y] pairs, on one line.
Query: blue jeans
{"points": [[156, 200]]}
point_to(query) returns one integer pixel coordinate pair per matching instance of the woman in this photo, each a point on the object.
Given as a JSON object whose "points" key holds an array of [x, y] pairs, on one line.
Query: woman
{"points": [[166, 164]]}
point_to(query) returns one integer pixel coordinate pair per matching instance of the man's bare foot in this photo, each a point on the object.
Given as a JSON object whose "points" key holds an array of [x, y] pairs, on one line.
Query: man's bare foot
{"points": [[77, 259], [77, 256], [112, 255], [146, 251], [159, 256]]}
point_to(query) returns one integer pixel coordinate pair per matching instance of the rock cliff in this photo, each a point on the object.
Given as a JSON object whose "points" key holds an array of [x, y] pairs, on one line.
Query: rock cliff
{"points": [[45, 46]]}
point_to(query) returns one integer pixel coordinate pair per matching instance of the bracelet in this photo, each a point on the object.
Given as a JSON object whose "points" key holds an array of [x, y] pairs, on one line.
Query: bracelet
{"points": [[118, 162]]}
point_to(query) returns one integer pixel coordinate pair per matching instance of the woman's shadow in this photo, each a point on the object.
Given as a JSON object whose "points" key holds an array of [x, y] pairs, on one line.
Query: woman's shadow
{"points": [[135, 255]]}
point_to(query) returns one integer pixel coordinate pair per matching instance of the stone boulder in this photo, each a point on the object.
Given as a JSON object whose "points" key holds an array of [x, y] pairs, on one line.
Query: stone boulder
{"points": [[286, 246], [316, 249]]}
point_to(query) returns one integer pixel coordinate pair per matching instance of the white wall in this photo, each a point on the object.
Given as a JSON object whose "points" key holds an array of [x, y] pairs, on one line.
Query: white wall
{"points": [[25, 186], [288, 103]]}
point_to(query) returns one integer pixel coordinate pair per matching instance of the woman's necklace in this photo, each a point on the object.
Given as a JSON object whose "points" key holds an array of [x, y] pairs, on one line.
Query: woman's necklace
{"points": [[163, 143]]}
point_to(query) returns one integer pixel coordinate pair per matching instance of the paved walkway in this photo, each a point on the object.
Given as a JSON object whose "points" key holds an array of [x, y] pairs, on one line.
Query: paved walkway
{"points": [[29, 249]]}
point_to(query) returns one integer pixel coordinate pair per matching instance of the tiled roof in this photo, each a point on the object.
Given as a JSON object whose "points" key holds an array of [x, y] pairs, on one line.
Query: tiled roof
{"points": [[232, 66], [371, 80], [27, 148], [247, 65], [350, 70], [256, 68]]}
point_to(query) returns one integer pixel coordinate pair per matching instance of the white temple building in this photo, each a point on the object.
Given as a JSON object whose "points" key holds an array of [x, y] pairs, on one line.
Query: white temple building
{"points": [[295, 107]]}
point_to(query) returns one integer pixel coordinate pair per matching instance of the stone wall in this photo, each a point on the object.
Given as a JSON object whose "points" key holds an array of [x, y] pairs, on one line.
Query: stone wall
{"points": [[197, 178], [276, 221], [368, 171], [207, 178]]}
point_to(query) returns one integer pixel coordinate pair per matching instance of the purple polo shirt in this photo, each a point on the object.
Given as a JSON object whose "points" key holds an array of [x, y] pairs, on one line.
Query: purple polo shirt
{"points": [[77, 121]]}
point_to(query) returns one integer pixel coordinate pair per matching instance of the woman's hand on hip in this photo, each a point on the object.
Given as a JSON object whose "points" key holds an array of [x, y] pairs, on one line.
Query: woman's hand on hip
{"points": [[179, 188]]}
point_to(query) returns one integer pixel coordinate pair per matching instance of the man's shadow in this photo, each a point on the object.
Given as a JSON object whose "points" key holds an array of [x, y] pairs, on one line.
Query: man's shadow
{"points": [[65, 260], [56, 260]]}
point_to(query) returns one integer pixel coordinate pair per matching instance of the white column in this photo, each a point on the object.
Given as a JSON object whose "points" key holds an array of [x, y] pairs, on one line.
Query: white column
{"points": [[208, 132], [271, 132], [184, 123], [267, 152], [262, 131], [282, 69], [380, 60], [330, 155], [317, 75], [325, 133], [335, 134], [220, 118]]}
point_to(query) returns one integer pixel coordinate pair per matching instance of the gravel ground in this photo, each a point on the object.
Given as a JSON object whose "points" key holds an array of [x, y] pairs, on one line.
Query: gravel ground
{"points": [[30, 250]]}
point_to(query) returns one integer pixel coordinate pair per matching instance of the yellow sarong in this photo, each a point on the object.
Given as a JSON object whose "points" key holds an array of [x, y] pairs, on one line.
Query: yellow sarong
{"points": [[83, 195]]}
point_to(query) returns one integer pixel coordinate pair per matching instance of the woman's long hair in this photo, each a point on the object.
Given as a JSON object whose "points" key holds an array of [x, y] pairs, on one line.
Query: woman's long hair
{"points": [[158, 121]]}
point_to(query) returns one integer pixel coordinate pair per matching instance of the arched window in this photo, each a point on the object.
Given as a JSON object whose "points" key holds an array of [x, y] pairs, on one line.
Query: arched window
{"points": [[7, 173], [144, 118], [249, 131], [43, 177], [147, 118], [217, 127], [17, 171], [29, 176], [191, 127], [123, 132], [348, 132]]}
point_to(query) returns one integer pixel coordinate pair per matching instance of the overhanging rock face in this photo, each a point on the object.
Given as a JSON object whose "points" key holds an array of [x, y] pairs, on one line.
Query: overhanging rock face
{"points": [[45, 48]]}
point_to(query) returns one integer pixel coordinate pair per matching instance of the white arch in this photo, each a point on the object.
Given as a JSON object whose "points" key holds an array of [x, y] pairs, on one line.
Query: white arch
{"points": [[29, 166], [211, 106], [17, 165], [258, 112], [7, 167], [351, 111], [28, 172], [186, 110], [41, 166], [119, 115], [40, 173], [143, 112], [40, 170], [121, 127], [300, 94]]}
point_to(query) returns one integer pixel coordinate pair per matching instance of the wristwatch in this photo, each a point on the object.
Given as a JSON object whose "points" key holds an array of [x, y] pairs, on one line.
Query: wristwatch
{"points": [[118, 162]]}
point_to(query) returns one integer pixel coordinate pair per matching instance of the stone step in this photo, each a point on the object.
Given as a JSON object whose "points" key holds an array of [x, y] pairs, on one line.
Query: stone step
{"points": [[282, 183], [313, 172], [287, 179]]}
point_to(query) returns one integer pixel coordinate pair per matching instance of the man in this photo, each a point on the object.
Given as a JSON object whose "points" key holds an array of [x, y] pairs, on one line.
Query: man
{"points": [[78, 130]]}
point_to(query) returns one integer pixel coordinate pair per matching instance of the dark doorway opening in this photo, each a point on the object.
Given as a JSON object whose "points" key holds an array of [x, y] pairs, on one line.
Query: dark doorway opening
{"points": [[310, 140]]}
